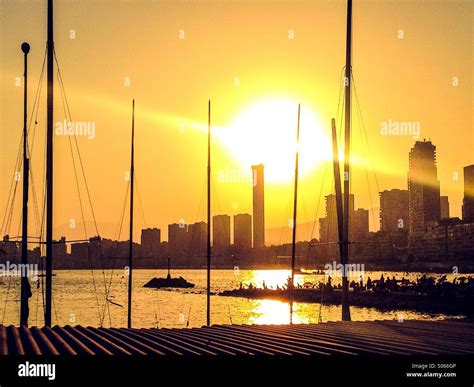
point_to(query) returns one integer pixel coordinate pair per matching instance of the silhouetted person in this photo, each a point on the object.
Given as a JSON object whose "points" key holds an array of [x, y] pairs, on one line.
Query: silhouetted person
{"points": [[369, 283]]}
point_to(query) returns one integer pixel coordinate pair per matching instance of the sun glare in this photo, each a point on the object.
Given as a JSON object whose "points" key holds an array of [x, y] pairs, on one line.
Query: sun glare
{"points": [[265, 133]]}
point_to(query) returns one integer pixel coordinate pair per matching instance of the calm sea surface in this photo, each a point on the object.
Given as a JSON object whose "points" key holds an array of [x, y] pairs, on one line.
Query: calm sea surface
{"points": [[79, 298]]}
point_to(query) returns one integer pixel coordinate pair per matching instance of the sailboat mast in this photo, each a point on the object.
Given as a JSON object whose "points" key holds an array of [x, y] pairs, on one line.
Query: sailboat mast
{"points": [[130, 242], [295, 203], [25, 48], [208, 316], [337, 184], [49, 167], [346, 315]]}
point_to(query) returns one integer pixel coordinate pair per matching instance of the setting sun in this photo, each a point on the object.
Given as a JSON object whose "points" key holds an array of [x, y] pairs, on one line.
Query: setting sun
{"points": [[265, 132]]}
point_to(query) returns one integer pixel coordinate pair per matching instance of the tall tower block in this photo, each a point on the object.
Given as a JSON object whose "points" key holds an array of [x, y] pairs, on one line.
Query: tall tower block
{"points": [[258, 206]]}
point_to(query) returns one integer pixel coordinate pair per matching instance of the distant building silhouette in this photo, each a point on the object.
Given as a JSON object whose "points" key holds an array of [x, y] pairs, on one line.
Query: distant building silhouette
{"points": [[150, 241], [177, 239], [258, 206], [448, 239], [243, 231], [468, 201], [359, 225], [197, 239], [393, 210], [220, 233], [60, 248], [444, 207], [423, 189]]}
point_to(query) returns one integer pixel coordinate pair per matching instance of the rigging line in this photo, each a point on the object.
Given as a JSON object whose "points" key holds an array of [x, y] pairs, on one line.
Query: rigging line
{"points": [[359, 116], [35, 200], [281, 249], [316, 214], [188, 247], [36, 102], [35, 112], [68, 115], [341, 92], [79, 155], [37, 301], [307, 227], [55, 310], [42, 229], [368, 185], [189, 250], [10, 278], [214, 187], [153, 252], [35, 109], [140, 203], [81, 208], [13, 185], [364, 132], [10, 215], [118, 233]]}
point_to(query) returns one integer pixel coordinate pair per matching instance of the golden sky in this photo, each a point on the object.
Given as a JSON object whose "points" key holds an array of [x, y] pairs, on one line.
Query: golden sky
{"points": [[412, 62]]}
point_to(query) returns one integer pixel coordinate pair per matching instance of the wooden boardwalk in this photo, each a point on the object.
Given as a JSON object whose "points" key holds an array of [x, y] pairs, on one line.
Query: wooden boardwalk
{"points": [[345, 338]]}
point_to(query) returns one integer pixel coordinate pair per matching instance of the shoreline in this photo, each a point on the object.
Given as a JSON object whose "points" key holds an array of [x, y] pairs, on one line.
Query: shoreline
{"points": [[382, 301]]}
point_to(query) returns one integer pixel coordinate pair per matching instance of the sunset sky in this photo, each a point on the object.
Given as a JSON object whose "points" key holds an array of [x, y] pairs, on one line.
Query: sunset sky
{"points": [[412, 62]]}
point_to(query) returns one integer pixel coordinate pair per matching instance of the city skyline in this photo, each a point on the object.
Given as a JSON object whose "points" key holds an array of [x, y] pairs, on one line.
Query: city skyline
{"points": [[170, 134]]}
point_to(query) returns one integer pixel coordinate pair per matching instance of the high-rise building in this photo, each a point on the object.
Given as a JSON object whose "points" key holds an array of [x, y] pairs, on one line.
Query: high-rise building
{"points": [[359, 225], [423, 189], [177, 238], [444, 207], [197, 238], [221, 232], [60, 248], [393, 210], [258, 206], [243, 231], [468, 201], [150, 241]]}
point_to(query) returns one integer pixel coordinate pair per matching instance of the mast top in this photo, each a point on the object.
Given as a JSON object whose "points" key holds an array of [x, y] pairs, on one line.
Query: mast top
{"points": [[25, 47]]}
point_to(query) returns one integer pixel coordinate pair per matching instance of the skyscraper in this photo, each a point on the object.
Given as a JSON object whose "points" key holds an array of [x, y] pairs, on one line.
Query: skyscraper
{"points": [[243, 231], [258, 206], [197, 238], [177, 233], [423, 189], [359, 223], [221, 232], [393, 210], [150, 241], [468, 201], [444, 207]]}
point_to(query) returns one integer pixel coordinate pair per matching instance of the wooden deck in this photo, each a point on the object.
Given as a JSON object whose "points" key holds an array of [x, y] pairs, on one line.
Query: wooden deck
{"points": [[344, 338]]}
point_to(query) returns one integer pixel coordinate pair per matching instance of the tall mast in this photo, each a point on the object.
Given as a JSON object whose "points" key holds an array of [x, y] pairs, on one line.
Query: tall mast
{"points": [[346, 314], [49, 168], [337, 184], [295, 202], [208, 316], [130, 242], [25, 288]]}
